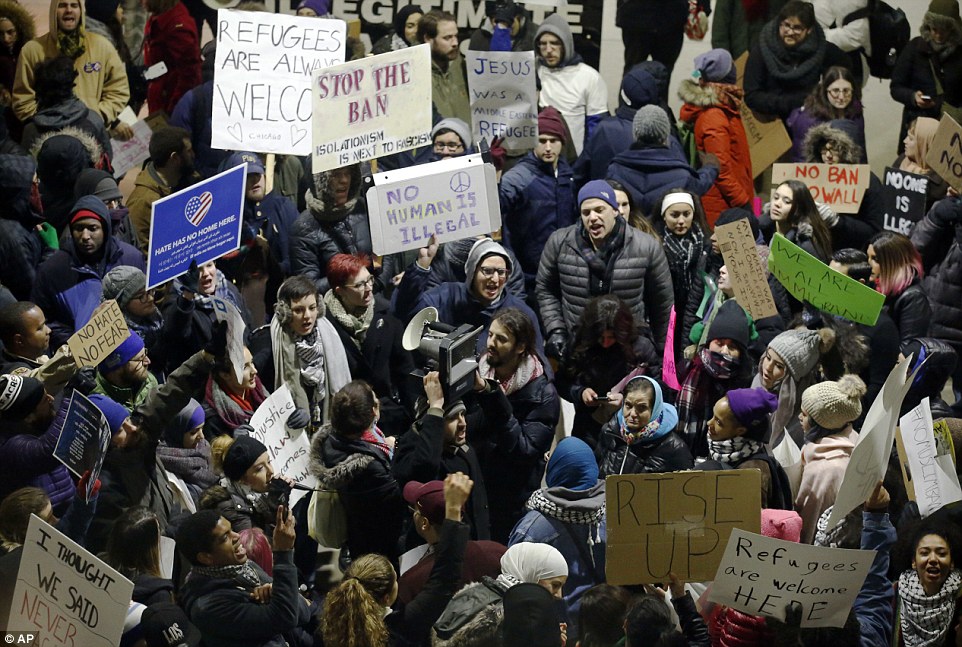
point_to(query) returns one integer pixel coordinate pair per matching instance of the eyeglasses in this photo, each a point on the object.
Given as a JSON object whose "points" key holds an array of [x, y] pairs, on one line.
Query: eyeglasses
{"points": [[440, 146], [363, 285], [143, 297], [488, 272], [840, 92], [795, 29], [142, 359]]}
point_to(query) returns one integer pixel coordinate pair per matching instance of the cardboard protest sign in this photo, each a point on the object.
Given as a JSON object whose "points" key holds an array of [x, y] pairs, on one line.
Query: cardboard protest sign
{"points": [[676, 522], [737, 245], [290, 450], [371, 107], [945, 154], [929, 467], [504, 99], [227, 311], [809, 279], [761, 576], [202, 223], [869, 459], [903, 198], [64, 594], [99, 337], [450, 199], [840, 186], [669, 373], [131, 153], [262, 78], [84, 438], [767, 138]]}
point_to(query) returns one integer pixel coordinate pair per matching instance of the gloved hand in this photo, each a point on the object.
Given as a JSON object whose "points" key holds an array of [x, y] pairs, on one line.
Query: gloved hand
{"points": [[243, 430], [498, 153], [217, 345], [84, 381], [947, 212], [190, 280], [556, 344], [299, 419], [82, 486]]}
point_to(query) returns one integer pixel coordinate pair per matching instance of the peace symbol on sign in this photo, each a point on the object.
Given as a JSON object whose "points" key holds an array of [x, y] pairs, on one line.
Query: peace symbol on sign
{"points": [[460, 182]]}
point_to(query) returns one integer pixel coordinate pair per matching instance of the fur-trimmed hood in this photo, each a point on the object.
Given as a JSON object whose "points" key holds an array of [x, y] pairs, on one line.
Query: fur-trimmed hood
{"points": [[89, 141], [691, 91], [482, 621], [344, 471], [848, 151], [320, 197]]}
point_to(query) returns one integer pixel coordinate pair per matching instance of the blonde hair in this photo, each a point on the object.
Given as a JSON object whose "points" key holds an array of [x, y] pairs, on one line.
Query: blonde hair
{"points": [[353, 611], [218, 450], [15, 514]]}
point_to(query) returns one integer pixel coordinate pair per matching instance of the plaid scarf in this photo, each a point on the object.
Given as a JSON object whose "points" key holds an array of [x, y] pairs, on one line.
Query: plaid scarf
{"points": [[682, 253], [601, 263], [734, 450], [71, 43], [243, 575], [698, 394], [924, 620]]}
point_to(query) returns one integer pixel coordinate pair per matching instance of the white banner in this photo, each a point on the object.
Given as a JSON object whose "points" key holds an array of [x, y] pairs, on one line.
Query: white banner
{"points": [[376, 106], [450, 199], [930, 463], [504, 99], [289, 450], [64, 594], [262, 78]]}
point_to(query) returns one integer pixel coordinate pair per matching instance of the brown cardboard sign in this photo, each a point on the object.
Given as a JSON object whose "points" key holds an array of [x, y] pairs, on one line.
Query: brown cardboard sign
{"points": [[945, 154], [676, 522], [100, 336], [840, 186], [745, 271], [767, 139]]}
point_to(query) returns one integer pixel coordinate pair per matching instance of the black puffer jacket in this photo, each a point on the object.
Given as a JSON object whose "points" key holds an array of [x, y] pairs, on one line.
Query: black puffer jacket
{"points": [[910, 311], [21, 250], [323, 230], [938, 238], [667, 454], [641, 278]]}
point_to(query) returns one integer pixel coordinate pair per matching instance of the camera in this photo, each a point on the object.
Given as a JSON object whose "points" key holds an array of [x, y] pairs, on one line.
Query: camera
{"points": [[448, 350]]}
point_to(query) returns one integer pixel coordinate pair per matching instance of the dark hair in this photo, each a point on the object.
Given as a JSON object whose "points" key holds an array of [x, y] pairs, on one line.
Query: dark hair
{"points": [[196, 534], [297, 287], [15, 511], [911, 533], [646, 388], [636, 218], [165, 142], [352, 409], [11, 320], [53, 81], [428, 27], [519, 325], [817, 100], [900, 263], [607, 312], [855, 262], [602, 615], [800, 9], [133, 547], [648, 621], [804, 210], [212, 497], [659, 206]]}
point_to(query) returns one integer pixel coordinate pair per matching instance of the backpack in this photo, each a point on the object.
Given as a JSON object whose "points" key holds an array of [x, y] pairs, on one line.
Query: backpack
{"points": [[686, 134], [889, 33]]}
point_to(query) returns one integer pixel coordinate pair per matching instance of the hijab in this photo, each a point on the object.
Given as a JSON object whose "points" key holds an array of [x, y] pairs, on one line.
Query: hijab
{"points": [[925, 128]]}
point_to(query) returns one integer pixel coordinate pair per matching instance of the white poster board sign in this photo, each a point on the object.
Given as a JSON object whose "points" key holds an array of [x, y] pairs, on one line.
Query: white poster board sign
{"points": [[504, 99], [932, 468], [375, 106], [450, 199], [64, 594], [262, 78], [760, 575], [289, 449]]}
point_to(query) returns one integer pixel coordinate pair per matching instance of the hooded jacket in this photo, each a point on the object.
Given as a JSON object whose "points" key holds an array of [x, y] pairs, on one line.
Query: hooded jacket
{"points": [[472, 618], [648, 173], [21, 249], [574, 88], [102, 80], [68, 288], [60, 159], [719, 130], [323, 230], [71, 113], [448, 266]]}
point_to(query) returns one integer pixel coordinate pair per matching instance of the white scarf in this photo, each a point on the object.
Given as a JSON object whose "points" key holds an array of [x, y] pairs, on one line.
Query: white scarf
{"points": [[924, 619]]}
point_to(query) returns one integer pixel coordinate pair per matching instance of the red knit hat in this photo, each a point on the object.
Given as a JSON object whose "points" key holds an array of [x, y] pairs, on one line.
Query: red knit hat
{"points": [[551, 123]]}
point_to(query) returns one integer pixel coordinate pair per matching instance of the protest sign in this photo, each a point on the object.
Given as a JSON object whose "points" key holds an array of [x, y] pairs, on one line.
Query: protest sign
{"points": [[789, 456], [504, 100], [227, 311], [840, 186], [371, 107], [289, 450], [106, 330], [930, 468], [761, 576], [450, 199], [84, 438], [201, 223], [262, 78], [903, 199], [737, 245], [131, 153], [669, 374], [809, 279], [767, 138], [945, 154], [869, 459], [64, 594], [676, 522]]}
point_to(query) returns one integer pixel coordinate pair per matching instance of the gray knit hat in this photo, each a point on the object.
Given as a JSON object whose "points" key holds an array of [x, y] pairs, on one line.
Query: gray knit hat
{"points": [[801, 349], [456, 126], [834, 404], [651, 125], [122, 283], [481, 249]]}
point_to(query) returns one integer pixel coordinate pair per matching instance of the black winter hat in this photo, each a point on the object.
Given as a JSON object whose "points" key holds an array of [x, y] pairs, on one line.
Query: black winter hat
{"points": [[243, 452], [731, 322]]}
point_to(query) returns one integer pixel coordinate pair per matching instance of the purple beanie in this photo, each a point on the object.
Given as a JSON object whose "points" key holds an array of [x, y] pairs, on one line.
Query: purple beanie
{"points": [[320, 7], [114, 413], [716, 65], [751, 408], [122, 354]]}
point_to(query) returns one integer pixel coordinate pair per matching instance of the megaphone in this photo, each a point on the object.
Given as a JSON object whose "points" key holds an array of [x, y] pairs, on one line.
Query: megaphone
{"points": [[411, 339], [448, 350]]}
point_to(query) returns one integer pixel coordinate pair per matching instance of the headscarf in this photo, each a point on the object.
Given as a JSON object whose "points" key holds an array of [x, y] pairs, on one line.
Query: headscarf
{"points": [[531, 562], [664, 417], [925, 128], [572, 465], [190, 417]]}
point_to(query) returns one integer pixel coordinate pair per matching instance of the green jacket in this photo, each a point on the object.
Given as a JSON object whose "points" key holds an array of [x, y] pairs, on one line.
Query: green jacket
{"points": [[130, 398], [449, 90]]}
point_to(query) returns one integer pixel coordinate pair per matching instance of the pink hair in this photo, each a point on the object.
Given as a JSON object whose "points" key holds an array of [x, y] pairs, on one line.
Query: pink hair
{"points": [[899, 262]]}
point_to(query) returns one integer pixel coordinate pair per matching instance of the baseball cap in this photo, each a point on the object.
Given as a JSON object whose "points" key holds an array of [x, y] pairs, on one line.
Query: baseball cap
{"points": [[426, 498], [254, 163]]}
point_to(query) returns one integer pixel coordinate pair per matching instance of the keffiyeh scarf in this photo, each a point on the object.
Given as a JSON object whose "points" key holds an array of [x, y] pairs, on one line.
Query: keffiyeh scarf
{"points": [[529, 369], [924, 620], [243, 575], [734, 450]]}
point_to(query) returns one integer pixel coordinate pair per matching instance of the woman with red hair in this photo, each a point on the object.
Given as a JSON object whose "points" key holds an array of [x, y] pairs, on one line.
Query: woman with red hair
{"points": [[897, 273]]}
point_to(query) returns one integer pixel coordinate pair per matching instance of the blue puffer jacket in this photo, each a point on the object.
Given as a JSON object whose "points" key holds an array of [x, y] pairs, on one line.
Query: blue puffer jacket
{"points": [[67, 289], [535, 203], [648, 173]]}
